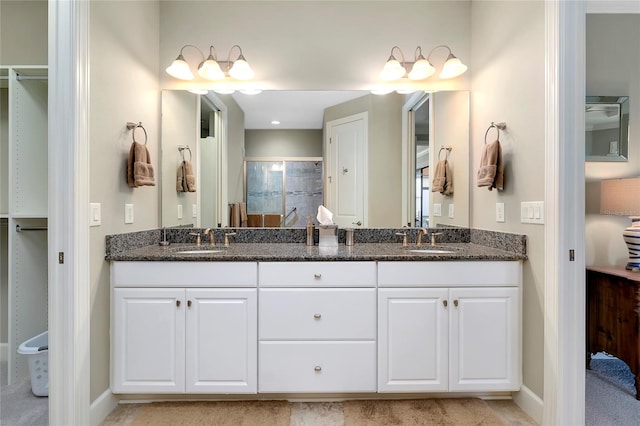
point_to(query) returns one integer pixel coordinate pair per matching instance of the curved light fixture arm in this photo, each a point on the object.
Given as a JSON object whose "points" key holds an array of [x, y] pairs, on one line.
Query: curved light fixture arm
{"points": [[438, 46], [212, 53], [391, 57], [418, 54], [240, 56], [195, 47]]}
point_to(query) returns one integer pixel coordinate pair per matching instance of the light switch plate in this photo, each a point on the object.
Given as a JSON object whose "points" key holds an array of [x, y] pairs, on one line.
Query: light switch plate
{"points": [[94, 214], [450, 211], [128, 213], [437, 209], [532, 212], [499, 212], [179, 211], [194, 210]]}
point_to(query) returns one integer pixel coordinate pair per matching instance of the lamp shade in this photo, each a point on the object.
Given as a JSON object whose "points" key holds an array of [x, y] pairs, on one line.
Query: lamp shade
{"points": [[180, 69], [392, 70], [620, 197], [240, 70], [421, 69], [210, 69], [453, 67]]}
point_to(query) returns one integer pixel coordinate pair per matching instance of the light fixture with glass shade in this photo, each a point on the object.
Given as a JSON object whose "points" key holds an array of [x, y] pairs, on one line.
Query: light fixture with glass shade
{"points": [[421, 68], [211, 68], [621, 197]]}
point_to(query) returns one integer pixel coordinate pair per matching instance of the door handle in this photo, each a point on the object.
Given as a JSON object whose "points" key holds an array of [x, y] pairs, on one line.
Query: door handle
{"points": [[359, 223]]}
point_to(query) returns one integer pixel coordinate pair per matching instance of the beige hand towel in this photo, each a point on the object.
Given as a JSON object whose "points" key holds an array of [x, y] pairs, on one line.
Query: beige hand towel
{"points": [[243, 215], [180, 186], [139, 169], [189, 178], [491, 171], [442, 181]]}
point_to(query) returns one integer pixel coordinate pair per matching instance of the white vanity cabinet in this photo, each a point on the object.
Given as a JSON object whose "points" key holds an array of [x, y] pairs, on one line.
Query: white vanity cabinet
{"points": [[449, 326], [184, 327], [317, 327]]}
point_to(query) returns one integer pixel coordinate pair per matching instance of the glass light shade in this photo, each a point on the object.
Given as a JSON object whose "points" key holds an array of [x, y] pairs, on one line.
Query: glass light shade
{"points": [[223, 90], [382, 91], [210, 70], [240, 70], [180, 69], [250, 91], [198, 91], [452, 68], [421, 69], [392, 70]]}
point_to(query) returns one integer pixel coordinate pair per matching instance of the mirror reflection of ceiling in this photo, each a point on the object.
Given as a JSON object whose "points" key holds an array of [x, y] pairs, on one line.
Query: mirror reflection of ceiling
{"points": [[602, 116], [293, 109]]}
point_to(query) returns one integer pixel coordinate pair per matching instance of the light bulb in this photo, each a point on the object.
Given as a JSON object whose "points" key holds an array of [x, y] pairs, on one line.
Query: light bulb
{"points": [[180, 69]]}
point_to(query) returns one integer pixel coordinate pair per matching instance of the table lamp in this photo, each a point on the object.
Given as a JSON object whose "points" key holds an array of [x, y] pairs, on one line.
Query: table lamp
{"points": [[621, 197]]}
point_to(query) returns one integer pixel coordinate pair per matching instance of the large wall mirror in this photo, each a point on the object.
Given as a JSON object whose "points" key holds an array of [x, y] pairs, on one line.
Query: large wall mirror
{"points": [[607, 128], [404, 137]]}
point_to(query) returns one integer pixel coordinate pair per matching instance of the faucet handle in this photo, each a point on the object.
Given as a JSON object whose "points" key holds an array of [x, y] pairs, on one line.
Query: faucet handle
{"points": [[197, 235], [404, 238], [226, 238], [433, 237]]}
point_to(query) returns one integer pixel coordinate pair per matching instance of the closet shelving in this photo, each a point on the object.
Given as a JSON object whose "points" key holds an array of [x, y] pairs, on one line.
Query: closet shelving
{"points": [[24, 205]]}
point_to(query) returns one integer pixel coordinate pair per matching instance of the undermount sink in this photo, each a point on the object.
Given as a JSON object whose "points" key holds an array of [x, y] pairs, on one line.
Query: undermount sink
{"points": [[199, 251], [431, 251]]}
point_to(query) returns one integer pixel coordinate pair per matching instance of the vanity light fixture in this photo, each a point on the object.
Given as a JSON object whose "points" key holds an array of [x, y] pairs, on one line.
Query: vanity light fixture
{"points": [[421, 68], [211, 68]]}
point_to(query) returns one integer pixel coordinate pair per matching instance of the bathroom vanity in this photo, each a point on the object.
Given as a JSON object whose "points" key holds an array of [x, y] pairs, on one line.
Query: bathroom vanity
{"points": [[289, 319]]}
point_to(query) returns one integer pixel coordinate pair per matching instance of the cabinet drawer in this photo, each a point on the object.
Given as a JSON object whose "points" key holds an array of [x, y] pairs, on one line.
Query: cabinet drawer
{"points": [[450, 274], [317, 367], [184, 274], [308, 314], [317, 274]]}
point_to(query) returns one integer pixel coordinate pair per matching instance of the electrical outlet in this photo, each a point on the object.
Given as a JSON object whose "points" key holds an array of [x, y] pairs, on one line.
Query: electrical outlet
{"points": [[437, 209], [128, 213], [499, 212], [179, 211], [194, 210], [94, 214], [450, 211]]}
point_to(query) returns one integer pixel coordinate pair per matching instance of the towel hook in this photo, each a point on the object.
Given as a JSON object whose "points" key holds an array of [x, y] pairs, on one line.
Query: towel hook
{"points": [[134, 126], [498, 127], [447, 151], [182, 148]]}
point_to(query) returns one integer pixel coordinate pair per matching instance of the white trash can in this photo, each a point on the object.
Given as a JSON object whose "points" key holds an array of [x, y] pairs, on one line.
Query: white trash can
{"points": [[36, 350]]}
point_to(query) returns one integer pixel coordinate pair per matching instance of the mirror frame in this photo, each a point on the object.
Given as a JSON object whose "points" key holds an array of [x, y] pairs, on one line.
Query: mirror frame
{"points": [[622, 154]]}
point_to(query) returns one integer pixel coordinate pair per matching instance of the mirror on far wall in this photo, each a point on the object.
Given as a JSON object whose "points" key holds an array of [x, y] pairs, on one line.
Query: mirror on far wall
{"points": [[182, 125], [607, 128]]}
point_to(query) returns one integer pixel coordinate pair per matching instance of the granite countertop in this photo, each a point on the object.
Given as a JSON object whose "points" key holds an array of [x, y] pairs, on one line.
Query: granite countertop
{"points": [[300, 252]]}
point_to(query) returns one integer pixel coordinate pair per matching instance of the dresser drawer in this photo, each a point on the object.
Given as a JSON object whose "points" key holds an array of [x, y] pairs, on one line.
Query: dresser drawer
{"points": [[308, 314], [450, 274], [317, 274], [317, 367]]}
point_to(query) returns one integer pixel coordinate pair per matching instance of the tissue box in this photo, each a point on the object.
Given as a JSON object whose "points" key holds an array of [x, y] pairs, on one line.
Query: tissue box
{"points": [[328, 235]]}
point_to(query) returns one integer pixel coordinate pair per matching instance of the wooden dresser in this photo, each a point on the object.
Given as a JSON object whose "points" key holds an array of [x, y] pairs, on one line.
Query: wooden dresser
{"points": [[613, 315]]}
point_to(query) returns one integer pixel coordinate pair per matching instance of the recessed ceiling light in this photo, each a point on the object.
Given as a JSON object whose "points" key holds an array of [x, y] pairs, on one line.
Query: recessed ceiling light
{"points": [[275, 122]]}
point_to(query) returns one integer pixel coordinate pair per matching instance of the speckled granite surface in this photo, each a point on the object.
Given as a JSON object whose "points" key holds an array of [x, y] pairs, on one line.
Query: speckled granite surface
{"points": [[268, 244]]}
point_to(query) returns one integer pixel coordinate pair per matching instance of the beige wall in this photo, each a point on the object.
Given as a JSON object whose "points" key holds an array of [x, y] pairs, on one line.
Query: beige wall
{"points": [[24, 27], [508, 84], [283, 143], [118, 94], [235, 151], [611, 72]]}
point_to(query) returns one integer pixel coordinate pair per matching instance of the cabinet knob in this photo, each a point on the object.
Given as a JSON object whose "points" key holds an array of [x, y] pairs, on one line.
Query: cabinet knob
{"points": [[189, 303], [445, 303], [317, 316], [317, 368], [455, 303], [178, 303], [317, 276]]}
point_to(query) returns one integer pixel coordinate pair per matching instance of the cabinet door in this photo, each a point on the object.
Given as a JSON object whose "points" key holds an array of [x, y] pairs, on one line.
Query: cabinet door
{"points": [[147, 340], [412, 340], [221, 342], [485, 349]]}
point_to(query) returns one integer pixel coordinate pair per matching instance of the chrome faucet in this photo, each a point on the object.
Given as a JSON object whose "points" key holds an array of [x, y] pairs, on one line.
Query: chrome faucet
{"points": [[421, 232], [212, 238]]}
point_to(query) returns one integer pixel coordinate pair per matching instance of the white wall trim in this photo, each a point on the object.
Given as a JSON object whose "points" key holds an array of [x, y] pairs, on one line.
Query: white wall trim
{"points": [[613, 6], [102, 407], [564, 296], [69, 307], [530, 403]]}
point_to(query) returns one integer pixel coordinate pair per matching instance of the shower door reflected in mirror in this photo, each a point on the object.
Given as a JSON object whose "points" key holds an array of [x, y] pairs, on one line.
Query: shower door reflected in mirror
{"points": [[283, 192], [420, 115]]}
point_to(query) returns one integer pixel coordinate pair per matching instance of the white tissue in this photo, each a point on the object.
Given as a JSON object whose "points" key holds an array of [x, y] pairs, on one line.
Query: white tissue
{"points": [[325, 217]]}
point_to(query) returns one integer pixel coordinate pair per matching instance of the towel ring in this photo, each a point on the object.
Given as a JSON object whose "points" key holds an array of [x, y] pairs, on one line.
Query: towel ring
{"points": [[133, 127], [498, 127], [447, 151], [182, 149]]}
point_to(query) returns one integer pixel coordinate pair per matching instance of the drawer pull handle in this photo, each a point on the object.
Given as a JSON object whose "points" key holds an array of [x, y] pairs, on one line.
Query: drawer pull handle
{"points": [[178, 303], [317, 276], [317, 368], [317, 316], [189, 303], [455, 303], [445, 303]]}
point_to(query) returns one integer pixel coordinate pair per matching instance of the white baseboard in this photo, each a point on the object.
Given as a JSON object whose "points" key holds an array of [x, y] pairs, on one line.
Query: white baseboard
{"points": [[101, 407], [4, 352], [530, 403]]}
